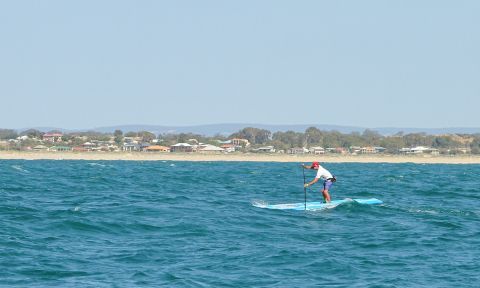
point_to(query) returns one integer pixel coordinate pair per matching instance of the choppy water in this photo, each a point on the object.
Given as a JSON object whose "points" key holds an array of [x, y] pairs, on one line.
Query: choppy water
{"points": [[191, 224]]}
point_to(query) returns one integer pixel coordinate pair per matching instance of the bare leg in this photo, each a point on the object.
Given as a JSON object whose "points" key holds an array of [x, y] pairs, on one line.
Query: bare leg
{"points": [[326, 195]]}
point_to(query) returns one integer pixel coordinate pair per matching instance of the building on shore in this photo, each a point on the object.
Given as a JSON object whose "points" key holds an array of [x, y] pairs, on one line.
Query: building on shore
{"points": [[130, 147], [228, 147], [40, 148], [207, 148], [265, 149], [317, 150], [368, 150], [419, 150], [157, 148], [79, 149], [297, 150], [52, 137], [182, 147], [240, 142], [60, 148]]}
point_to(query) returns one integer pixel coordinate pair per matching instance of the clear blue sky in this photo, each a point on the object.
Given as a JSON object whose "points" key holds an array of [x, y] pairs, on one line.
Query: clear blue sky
{"points": [[84, 64]]}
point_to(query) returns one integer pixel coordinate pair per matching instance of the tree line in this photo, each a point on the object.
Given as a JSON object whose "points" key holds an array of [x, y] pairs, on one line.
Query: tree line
{"points": [[326, 139], [283, 140]]}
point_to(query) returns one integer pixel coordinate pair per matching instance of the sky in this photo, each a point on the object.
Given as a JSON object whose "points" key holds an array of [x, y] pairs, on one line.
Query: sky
{"points": [[85, 64]]}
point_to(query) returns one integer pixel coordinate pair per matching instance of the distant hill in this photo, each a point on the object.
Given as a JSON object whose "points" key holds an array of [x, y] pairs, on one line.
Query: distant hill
{"points": [[229, 128], [223, 129]]}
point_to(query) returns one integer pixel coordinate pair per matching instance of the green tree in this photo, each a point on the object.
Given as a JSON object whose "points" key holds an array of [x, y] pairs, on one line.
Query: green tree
{"points": [[146, 136], [8, 134], [253, 135], [313, 136], [372, 138], [414, 139], [66, 137], [290, 139], [118, 137], [131, 134], [475, 144]]}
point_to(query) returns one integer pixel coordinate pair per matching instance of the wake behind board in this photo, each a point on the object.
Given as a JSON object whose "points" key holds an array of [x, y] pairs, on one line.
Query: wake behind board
{"points": [[317, 205]]}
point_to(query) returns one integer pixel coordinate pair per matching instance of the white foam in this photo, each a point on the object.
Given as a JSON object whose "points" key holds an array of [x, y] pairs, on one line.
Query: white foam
{"points": [[259, 203], [19, 168]]}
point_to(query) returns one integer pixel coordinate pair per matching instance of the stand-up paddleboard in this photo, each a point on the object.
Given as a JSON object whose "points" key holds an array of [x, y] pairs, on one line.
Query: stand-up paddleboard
{"points": [[317, 205]]}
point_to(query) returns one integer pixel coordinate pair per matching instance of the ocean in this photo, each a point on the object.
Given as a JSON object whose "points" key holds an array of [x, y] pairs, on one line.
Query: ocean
{"points": [[192, 224]]}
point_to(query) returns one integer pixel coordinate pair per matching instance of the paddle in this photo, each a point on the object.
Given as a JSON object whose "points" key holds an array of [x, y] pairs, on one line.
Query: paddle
{"points": [[304, 188]]}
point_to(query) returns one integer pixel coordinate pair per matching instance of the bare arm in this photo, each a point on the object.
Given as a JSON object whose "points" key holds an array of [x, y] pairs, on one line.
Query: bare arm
{"points": [[311, 182]]}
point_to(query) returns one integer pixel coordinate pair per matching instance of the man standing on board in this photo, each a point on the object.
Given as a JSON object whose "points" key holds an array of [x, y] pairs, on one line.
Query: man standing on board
{"points": [[328, 179]]}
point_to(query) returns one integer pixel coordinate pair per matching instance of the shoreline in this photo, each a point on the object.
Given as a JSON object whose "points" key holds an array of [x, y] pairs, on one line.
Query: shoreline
{"points": [[234, 157]]}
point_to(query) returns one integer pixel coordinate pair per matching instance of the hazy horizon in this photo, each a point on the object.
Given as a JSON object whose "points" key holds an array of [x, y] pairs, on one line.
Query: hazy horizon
{"points": [[234, 123], [230, 128]]}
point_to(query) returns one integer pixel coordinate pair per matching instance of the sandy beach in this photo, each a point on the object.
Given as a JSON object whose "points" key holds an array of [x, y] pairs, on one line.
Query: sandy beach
{"points": [[143, 156]]}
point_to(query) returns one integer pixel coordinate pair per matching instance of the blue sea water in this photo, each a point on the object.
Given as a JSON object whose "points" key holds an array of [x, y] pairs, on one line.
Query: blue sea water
{"points": [[192, 224]]}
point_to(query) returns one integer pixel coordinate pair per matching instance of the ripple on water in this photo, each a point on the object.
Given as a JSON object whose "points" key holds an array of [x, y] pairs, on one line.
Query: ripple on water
{"points": [[192, 224]]}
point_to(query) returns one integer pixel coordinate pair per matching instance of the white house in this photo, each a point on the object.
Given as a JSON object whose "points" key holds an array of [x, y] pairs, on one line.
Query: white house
{"points": [[182, 147], [209, 148], [40, 148], [130, 147], [297, 150], [52, 137], [265, 149], [317, 150], [419, 150]]}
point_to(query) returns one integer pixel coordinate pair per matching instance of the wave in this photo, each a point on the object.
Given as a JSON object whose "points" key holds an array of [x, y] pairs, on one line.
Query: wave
{"points": [[20, 168]]}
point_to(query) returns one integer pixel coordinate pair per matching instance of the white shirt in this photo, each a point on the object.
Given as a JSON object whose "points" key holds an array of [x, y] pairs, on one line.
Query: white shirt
{"points": [[323, 173]]}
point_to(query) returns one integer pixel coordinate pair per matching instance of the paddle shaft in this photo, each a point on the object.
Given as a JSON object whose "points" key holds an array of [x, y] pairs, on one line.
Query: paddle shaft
{"points": [[304, 188]]}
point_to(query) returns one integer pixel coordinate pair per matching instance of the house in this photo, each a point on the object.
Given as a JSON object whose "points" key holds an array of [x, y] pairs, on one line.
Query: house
{"points": [[144, 146], [404, 150], [79, 149], [89, 146], [317, 150], [40, 148], [419, 150], [207, 148], [368, 150], [157, 148], [52, 137], [60, 148], [297, 150], [104, 148], [265, 149], [240, 142], [130, 147], [380, 149], [355, 149], [228, 147], [182, 147]]}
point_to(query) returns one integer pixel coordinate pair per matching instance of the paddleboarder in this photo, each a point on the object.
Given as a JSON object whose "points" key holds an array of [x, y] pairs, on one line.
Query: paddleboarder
{"points": [[325, 175]]}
